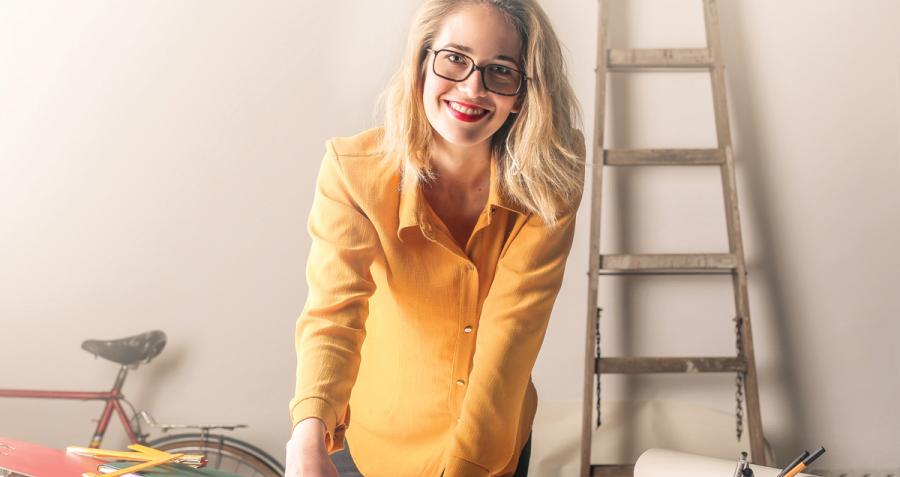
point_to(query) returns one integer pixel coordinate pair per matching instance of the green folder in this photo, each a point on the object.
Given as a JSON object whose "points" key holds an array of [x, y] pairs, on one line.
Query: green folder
{"points": [[166, 470]]}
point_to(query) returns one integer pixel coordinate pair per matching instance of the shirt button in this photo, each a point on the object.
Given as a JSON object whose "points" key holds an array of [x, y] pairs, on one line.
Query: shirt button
{"points": [[467, 329], [458, 419], [460, 382]]}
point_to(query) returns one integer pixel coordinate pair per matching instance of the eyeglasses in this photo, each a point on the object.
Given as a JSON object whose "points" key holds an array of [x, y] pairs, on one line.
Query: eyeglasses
{"points": [[455, 66]]}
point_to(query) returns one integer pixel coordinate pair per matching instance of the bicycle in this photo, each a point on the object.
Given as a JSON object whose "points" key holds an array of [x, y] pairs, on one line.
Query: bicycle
{"points": [[222, 452]]}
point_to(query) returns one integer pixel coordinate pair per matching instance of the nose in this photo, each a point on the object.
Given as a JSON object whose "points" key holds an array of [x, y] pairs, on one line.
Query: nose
{"points": [[474, 85]]}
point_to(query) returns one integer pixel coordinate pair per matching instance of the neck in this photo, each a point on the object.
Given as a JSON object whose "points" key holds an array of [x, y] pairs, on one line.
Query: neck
{"points": [[461, 167]]}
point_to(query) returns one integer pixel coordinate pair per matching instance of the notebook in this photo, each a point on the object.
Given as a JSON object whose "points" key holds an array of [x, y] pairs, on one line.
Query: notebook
{"points": [[34, 460]]}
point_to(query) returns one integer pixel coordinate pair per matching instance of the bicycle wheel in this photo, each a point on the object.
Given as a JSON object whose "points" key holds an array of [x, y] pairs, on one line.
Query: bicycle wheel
{"points": [[223, 453]]}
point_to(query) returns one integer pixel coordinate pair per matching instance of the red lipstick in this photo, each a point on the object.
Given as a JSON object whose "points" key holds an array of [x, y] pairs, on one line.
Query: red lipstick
{"points": [[463, 116]]}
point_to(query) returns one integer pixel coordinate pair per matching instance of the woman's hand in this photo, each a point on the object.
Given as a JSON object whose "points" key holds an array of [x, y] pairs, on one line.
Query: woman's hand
{"points": [[306, 453]]}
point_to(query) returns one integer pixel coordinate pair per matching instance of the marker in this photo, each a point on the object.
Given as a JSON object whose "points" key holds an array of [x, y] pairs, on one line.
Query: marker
{"points": [[803, 465], [794, 463]]}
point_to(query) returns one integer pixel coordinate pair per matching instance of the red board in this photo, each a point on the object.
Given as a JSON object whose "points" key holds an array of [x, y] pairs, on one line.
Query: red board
{"points": [[34, 460]]}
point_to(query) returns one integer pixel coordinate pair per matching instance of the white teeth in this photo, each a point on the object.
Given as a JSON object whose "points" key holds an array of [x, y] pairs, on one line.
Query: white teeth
{"points": [[465, 110]]}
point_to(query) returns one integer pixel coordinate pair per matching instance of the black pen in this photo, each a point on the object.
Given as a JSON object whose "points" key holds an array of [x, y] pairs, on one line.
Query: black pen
{"points": [[794, 463], [803, 465]]}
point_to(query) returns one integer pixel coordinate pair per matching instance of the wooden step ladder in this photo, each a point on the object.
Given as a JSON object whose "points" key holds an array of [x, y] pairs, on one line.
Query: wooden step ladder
{"points": [[709, 58]]}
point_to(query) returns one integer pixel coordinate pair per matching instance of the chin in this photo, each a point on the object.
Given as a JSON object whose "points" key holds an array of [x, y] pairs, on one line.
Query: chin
{"points": [[462, 139], [462, 136]]}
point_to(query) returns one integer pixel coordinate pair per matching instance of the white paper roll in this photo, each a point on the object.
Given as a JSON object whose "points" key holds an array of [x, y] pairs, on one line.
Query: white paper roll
{"points": [[666, 463]]}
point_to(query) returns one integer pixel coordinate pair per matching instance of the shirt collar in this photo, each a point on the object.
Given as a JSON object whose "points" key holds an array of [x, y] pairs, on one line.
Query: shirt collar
{"points": [[413, 211]]}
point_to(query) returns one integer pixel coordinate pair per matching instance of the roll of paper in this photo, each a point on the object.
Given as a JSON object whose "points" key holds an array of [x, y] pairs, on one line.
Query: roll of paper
{"points": [[667, 463]]}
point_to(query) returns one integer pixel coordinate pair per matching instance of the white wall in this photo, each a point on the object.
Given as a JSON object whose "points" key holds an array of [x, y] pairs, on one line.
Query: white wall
{"points": [[157, 162]]}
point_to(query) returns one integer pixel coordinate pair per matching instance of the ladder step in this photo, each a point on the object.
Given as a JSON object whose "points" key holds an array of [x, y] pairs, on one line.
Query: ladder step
{"points": [[645, 365], [673, 261], [612, 470], [660, 58], [663, 157]]}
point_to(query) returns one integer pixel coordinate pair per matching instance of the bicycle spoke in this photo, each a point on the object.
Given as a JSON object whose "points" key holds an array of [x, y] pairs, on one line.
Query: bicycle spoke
{"points": [[225, 457]]}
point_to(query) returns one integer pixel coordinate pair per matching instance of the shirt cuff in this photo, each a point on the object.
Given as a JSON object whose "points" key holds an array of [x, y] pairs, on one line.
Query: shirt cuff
{"points": [[318, 408], [457, 467]]}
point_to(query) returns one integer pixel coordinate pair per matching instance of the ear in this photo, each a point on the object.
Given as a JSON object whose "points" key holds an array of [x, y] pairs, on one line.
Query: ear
{"points": [[518, 105]]}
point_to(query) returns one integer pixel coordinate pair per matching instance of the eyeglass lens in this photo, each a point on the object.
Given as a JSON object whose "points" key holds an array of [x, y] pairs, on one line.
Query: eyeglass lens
{"points": [[497, 78]]}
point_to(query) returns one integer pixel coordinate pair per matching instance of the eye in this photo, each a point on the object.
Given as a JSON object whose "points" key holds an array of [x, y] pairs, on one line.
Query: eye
{"points": [[501, 70], [456, 58]]}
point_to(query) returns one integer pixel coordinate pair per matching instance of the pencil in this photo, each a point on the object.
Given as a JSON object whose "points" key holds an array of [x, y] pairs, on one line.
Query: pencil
{"points": [[803, 465], [794, 463]]}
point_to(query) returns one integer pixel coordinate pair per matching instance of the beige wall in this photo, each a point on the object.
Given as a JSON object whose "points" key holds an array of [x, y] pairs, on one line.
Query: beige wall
{"points": [[157, 162]]}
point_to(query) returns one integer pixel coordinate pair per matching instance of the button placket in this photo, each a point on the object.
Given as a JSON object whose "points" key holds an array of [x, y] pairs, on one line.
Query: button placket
{"points": [[469, 297]]}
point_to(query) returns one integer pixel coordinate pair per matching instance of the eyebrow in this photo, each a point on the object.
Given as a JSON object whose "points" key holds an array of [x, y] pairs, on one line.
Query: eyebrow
{"points": [[466, 49]]}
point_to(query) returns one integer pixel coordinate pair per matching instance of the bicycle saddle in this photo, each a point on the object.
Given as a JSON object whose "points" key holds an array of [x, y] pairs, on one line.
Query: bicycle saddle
{"points": [[128, 351]]}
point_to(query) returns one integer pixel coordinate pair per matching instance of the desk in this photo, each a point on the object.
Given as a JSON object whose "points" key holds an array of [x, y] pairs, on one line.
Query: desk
{"points": [[34, 460]]}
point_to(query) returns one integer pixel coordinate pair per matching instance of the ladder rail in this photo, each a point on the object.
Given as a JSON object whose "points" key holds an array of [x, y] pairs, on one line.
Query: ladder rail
{"points": [[590, 370], [733, 224]]}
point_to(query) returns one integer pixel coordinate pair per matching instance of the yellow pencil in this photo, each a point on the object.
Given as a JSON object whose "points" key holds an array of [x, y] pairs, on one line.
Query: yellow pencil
{"points": [[89, 451], [135, 468], [147, 450], [141, 454]]}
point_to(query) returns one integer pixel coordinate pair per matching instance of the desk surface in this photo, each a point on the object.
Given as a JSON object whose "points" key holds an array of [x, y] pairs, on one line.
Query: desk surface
{"points": [[34, 460]]}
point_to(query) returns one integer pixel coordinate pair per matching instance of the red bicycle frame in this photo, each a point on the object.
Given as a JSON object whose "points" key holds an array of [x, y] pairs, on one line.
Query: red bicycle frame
{"points": [[112, 397]]}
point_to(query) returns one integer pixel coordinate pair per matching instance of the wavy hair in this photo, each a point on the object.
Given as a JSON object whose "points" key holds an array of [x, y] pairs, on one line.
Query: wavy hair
{"points": [[540, 151]]}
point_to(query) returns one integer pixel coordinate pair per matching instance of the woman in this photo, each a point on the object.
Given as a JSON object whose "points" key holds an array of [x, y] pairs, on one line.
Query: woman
{"points": [[439, 243]]}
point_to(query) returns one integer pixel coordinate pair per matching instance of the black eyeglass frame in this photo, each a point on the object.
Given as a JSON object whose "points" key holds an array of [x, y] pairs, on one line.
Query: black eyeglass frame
{"points": [[479, 68]]}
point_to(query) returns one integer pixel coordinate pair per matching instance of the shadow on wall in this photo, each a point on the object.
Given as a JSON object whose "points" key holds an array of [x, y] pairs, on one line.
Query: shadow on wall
{"points": [[151, 390], [752, 167]]}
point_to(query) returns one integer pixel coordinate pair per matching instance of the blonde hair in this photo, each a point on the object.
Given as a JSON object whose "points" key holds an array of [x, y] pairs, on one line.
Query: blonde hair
{"points": [[540, 152]]}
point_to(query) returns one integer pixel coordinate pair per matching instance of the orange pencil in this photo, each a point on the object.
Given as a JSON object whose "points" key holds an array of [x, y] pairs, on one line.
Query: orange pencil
{"points": [[803, 465]]}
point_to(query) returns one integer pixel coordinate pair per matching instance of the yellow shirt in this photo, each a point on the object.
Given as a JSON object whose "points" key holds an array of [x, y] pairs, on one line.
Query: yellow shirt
{"points": [[436, 343]]}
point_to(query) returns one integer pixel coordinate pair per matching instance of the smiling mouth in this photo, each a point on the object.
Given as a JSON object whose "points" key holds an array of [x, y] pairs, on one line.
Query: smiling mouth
{"points": [[465, 113], [465, 109]]}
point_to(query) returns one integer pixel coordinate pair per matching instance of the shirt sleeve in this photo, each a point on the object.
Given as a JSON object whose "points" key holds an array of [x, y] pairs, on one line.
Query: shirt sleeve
{"points": [[511, 330], [331, 328]]}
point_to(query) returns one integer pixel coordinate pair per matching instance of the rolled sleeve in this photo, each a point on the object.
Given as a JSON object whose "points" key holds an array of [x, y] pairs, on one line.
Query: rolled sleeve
{"points": [[331, 328]]}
